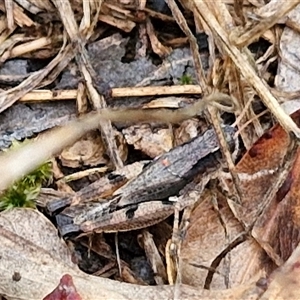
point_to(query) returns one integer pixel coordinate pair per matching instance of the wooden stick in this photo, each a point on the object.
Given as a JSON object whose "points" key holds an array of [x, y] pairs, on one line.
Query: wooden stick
{"points": [[56, 95]]}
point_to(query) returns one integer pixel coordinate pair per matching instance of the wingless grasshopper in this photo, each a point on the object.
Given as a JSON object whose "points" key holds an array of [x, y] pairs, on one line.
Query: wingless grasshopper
{"points": [[143, 201]]}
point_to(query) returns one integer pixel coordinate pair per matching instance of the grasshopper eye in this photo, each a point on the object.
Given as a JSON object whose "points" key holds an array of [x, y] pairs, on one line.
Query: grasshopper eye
{"points": [[130, 212]]}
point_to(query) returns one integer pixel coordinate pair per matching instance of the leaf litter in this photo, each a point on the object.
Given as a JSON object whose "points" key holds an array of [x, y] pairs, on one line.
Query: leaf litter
{"points": [[240, 240]]}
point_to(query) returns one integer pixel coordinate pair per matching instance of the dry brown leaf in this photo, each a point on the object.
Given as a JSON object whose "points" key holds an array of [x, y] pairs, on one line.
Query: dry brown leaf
{"points": [[186, 131], [29, 242], [280, 223], [207, 237], [87, 151], [284, 282], [90, 151], [151, 142], [34, 259], [31, 248]]}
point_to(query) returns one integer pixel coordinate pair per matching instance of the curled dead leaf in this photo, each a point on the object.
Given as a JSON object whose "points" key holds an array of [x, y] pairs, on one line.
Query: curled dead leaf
{"points": [[187, 130], [211, 250], [87, 151], [90, 151], [30, 246], [144, 138]]}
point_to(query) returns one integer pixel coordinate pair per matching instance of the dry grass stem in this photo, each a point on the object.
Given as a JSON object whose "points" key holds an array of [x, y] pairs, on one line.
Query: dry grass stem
{"points": [[244, 67], [48, 95], [269, 14]]}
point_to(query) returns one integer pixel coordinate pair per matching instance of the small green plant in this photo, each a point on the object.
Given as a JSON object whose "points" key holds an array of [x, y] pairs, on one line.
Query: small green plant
{"points": [[186, 79], [24, 192]]}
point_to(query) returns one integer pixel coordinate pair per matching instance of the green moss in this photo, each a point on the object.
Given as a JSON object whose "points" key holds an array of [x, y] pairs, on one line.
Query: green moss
{"points": [[186, 79], [24, 192]]}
